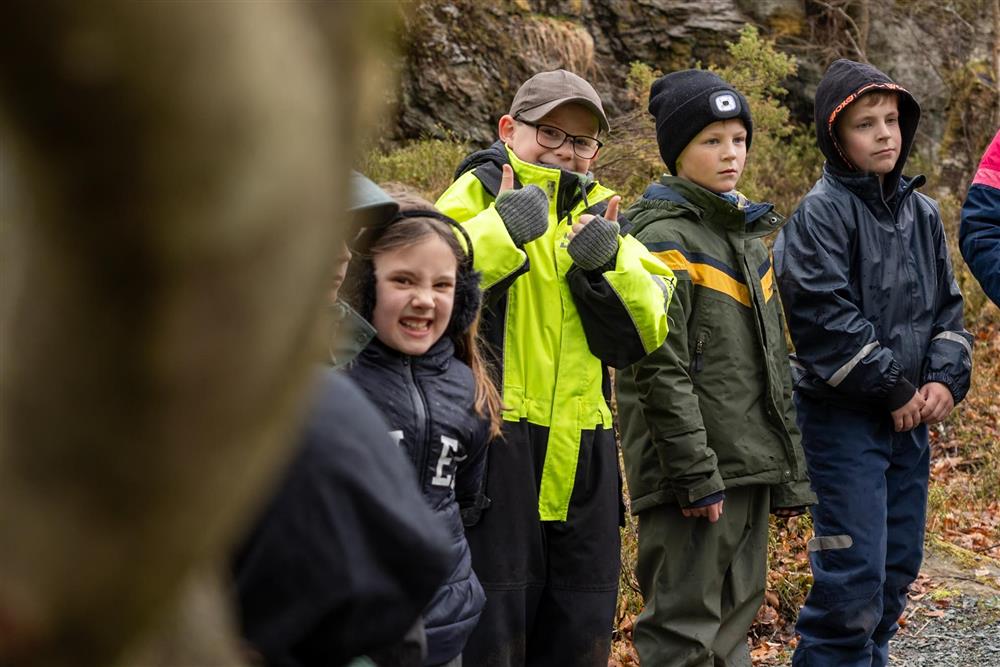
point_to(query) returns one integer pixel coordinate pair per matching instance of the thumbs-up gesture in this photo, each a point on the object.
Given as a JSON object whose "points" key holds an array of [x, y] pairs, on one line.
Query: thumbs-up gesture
{"points": [[593, 240], [524, 212]]}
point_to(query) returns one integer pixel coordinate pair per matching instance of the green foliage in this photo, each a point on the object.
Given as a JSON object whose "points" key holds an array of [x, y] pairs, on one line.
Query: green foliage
{"points": [[783, 161], [639, 79], [427, 165]]}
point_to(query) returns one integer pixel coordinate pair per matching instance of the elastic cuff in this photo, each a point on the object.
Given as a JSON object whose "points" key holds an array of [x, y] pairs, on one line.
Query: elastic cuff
{"points": [[947, 381], [708, 500], [900, 394]]}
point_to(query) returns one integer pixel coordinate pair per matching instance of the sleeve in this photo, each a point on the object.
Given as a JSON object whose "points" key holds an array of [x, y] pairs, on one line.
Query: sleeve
{"points": [[347, 537], [979, 232], [624, 309], [470, 476], [670, 407], [833, 340], [497, 257], [949, 356]]}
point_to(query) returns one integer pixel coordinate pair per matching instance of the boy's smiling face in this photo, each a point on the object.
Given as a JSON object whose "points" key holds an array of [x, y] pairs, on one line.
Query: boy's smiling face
{"points": [[869, 133], [714, 159], [573, 119]]}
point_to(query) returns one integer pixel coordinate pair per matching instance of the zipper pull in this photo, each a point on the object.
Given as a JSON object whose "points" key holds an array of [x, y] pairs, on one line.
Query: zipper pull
{"points": [[699, 351]]}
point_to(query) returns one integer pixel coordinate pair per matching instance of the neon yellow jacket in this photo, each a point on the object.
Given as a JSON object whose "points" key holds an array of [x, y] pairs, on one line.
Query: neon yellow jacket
{"points": [[556, 327]]}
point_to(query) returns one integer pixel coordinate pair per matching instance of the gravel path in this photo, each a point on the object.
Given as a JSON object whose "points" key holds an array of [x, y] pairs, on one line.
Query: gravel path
{"points": [[966, 635]]}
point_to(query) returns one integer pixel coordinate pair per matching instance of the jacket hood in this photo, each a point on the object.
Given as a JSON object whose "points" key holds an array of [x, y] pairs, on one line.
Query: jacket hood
{"points": [[844, 82]]}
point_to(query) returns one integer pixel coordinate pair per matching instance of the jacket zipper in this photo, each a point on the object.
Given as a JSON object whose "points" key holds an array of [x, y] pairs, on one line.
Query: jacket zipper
{"points": [[423, 430], [699, 352], [904, 254]]}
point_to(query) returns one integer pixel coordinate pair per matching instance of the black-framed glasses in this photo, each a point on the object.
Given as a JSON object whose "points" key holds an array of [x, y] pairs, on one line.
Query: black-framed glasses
{"points": [[552, 137]]}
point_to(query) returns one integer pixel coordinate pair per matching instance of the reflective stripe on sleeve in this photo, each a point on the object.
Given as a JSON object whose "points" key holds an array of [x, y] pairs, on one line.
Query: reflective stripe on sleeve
{"points": [[845, 370], [955, 338]]}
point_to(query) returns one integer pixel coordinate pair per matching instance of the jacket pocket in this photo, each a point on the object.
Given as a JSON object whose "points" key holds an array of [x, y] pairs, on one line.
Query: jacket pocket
{"points": [[697, 353]]}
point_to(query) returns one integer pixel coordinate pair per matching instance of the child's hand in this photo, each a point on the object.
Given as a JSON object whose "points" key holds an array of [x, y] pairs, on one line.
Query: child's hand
{"points": [[610, 215], [711, 512], [907, 417], [938, 402]]}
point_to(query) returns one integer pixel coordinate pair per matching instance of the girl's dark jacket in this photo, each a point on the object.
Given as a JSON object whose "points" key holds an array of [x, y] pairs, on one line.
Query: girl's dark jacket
{"points": [[428, 403], [864, 273]]}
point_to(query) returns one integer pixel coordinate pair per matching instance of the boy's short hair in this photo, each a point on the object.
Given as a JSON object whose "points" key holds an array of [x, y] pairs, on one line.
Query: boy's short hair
{"points": [[547, 90], [684, 103]]}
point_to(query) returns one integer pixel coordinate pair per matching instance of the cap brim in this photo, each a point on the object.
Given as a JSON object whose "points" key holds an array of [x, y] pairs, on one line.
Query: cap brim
{"points": [[535, 114]]}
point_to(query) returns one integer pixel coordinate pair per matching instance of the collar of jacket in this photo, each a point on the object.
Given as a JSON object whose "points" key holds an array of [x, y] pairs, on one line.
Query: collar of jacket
{"points": [[867, 187], [570, 187], [567, 188], [756, 219], [435, 360]]}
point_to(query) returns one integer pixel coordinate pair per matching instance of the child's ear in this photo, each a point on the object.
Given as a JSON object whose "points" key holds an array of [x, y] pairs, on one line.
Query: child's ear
{"points": [[505, 128]]}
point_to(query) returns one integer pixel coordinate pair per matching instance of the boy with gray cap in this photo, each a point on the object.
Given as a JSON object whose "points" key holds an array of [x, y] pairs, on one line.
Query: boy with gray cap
{"points": [[707, 420], [566, 296]]}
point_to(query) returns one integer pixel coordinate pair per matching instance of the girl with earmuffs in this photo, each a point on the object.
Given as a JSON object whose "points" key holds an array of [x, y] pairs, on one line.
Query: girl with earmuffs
{"points": [[412, 279]]}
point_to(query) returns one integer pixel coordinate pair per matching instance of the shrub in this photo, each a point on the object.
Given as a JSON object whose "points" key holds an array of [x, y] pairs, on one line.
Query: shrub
{"points": [[427, 165]]}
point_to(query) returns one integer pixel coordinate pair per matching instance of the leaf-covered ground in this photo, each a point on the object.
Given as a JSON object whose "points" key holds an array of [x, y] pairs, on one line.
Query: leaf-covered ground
{"points": [[962, 569]]}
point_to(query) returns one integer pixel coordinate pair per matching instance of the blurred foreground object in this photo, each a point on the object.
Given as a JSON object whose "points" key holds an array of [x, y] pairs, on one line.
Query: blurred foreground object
{"points": [[177, 167]]}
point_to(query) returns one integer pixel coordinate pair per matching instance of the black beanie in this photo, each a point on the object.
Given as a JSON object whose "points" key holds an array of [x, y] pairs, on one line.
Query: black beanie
{"points": [[683, 103]]}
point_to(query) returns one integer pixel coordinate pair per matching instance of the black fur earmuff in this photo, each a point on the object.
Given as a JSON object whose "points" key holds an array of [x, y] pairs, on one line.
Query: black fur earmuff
{"points": [[360, 281]]}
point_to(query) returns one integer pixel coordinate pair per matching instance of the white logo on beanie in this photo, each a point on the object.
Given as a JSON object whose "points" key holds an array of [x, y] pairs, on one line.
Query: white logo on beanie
{"points": [[725, 104]]}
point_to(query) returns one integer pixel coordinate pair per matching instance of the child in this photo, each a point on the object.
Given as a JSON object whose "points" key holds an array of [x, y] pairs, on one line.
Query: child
{"points": [[346, 537], [876, 319], [416, 286], [979, 233], [566, 295], [707, 419], [348, 332]]}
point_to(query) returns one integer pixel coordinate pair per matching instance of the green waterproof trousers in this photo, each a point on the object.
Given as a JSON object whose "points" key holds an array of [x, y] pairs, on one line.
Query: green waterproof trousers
{"points": [[702, 582]]}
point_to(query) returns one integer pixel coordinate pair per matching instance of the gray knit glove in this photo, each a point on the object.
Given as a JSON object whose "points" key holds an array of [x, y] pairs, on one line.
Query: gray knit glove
{"points": [[595, 245], [525, 213]]}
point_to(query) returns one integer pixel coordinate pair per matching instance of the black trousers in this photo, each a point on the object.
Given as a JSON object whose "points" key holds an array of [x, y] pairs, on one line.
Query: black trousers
{"points": [[551, 587]]}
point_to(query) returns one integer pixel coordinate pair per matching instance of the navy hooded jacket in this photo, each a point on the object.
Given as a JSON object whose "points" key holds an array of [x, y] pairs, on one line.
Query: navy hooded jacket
{"points": [[428, 402], [864, 273]]}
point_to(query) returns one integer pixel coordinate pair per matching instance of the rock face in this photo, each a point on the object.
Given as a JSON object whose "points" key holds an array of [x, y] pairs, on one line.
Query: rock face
{"points": [[463, 59]]}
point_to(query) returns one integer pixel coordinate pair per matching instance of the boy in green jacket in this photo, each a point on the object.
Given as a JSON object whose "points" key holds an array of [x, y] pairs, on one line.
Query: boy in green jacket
{"points": [[707, 420], [566, 296]]}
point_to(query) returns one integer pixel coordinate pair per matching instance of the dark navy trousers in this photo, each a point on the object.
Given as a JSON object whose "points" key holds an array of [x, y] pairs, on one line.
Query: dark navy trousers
{"points": [[869, 532]]}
